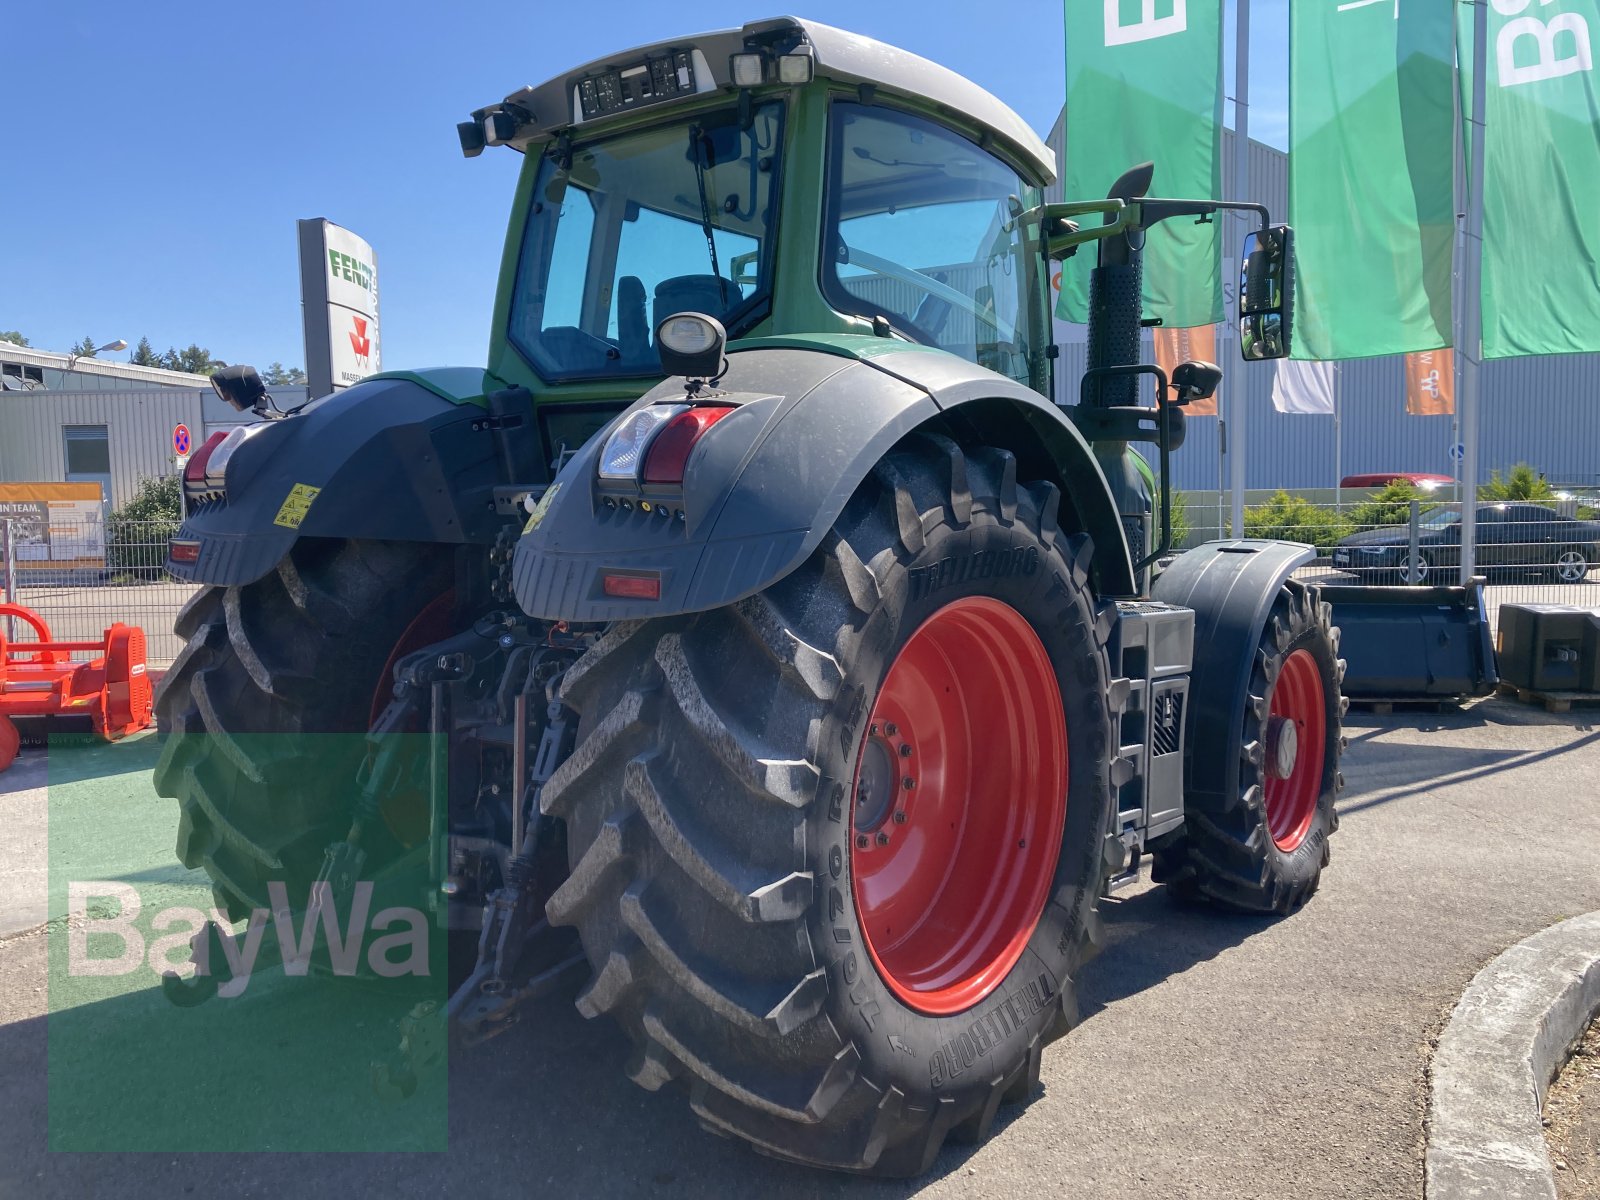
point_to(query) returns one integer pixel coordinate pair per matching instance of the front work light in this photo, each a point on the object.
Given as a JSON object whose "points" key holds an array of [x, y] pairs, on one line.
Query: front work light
{"points": [[795, 68], [746, 70], [624, 449]]}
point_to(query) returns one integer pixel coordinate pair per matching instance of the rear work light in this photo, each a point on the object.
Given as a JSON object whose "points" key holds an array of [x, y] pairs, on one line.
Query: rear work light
{"points": [[631, 587], [670, 449]]}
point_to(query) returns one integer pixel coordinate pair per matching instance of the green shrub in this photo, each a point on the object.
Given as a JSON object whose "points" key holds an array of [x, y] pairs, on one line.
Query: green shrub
{"points": [[138, 532], [1522, 482], [1295, 519], [1391, 506], [1181, 529]]}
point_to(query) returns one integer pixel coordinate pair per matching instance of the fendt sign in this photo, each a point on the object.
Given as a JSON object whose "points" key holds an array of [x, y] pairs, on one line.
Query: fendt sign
{"points": [[339, 295]]}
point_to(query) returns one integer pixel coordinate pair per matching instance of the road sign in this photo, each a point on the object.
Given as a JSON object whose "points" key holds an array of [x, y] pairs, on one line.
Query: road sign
{"points": [[1457, 452], [180, 441]]}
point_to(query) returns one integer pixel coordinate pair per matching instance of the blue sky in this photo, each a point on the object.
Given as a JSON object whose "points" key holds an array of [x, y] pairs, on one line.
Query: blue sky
{"points": [[158, 155]]}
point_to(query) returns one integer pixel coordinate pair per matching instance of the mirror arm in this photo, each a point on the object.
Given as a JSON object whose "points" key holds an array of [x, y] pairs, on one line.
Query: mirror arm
{"points": [[1153, 212]]}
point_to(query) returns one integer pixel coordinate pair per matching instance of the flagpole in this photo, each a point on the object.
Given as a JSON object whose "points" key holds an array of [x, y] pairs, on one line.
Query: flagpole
{"points": [[1469, 312], [1241, 191]]}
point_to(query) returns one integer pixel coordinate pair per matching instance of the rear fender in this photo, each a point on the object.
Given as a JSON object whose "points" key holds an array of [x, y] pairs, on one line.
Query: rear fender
{"points": [[387, 459], [766, 483], [1231, 586]]}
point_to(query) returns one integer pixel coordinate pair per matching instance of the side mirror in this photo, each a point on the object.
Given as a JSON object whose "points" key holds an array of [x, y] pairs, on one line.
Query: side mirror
{"points": [[239, 387], [1195, 380], [1266, 293]]}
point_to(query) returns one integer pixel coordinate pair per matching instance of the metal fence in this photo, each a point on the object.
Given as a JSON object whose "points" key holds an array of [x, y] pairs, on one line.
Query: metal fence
{"points": [[1539, 552], [83, 575]]}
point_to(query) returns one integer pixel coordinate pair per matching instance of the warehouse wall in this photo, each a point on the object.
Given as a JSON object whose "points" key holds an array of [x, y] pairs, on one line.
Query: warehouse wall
{"points": [[138, 425]]}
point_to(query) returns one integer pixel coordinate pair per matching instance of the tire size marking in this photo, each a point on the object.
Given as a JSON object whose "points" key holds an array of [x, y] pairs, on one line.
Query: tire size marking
{"points": [[984, 564], [959, 1053]]}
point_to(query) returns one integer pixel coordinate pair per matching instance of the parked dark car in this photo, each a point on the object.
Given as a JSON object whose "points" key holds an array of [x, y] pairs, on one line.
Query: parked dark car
{"points": [[1513, 539]]}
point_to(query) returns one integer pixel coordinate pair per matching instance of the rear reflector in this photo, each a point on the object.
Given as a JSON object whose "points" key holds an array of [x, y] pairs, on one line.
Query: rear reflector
{"points": [[670, 449], [183, 552], [195, 472], [632, 587]]}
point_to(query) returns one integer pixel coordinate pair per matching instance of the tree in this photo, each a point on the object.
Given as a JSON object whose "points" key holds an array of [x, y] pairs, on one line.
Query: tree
{"points": [[11, 335], [194, 360], [144, 354], [277, 375], [84, 349], [1295, 519], [1391, 506]]}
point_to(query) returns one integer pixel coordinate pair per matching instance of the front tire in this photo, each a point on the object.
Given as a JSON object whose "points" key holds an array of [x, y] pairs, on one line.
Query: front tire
{"points": [[1262, 846], [736, 796], [1571, 565]]}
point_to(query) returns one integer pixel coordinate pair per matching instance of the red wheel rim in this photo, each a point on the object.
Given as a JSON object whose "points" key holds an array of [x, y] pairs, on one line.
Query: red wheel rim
{"points": [[1296, 744], [951, 875]]}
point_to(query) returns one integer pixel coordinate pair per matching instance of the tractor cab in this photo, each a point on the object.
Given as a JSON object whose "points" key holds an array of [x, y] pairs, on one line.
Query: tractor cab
{"points": [[787, 179]]}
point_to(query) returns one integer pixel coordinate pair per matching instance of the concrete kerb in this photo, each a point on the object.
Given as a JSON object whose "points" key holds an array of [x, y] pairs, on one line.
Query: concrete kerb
{"points": [[1507, 1038]]}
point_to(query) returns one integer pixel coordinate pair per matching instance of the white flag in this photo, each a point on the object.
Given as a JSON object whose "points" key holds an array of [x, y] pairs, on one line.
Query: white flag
{"points": [[1303, 387]]}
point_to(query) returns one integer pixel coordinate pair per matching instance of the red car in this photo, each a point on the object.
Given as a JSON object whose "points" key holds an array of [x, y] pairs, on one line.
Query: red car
{"points": [[1380, 479]]}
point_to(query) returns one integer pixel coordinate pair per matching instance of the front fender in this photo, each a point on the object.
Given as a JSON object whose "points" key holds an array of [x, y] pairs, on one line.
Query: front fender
{"points": [[767, 483], [387, 459], [1231, 586]]}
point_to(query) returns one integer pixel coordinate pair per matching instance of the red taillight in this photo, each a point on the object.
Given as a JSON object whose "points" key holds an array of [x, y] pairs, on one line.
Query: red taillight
{"points": [[184, 551], [632, 587], [670, 449], [195, 472]]}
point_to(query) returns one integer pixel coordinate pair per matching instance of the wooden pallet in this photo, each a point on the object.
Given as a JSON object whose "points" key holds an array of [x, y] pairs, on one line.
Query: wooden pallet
{"points": [[1384, 705], [1556, 702]]}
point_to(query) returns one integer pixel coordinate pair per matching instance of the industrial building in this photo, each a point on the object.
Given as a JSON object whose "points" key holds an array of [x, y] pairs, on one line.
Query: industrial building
{"points": [[91, 420]]}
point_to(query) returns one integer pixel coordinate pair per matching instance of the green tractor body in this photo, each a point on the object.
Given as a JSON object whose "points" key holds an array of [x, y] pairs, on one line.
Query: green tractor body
{"points": [[806, 674]]}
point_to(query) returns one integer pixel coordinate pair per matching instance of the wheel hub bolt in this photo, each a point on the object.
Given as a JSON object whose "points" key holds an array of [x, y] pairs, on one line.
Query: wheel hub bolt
{"points": [[908, 783], [861, 841], [891, 728], [883, 838], [900, 817], [905, 750]]}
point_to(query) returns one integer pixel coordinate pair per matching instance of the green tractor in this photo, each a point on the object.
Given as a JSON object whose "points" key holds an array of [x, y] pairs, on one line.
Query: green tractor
{"points": [[794, 670]]}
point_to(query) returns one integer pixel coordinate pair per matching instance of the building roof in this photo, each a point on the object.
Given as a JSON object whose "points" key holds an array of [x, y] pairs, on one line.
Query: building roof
{"points": [[10, 352]]}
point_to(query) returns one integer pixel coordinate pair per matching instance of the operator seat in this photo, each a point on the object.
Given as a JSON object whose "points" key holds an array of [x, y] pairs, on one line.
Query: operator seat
{"points": [[709, 294]]}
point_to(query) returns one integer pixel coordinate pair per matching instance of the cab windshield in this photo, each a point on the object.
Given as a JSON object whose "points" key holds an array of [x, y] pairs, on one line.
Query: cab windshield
{"points": [[624, 232], [923, 231]]}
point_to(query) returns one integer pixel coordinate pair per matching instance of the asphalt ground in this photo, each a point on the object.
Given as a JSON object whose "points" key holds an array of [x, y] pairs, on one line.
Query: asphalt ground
{"points": [[1219, 1056]]}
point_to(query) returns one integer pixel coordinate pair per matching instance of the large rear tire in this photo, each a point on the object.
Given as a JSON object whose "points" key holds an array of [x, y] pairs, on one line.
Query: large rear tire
{"points": [[1262, 848], [756, 886], [270, 669]]}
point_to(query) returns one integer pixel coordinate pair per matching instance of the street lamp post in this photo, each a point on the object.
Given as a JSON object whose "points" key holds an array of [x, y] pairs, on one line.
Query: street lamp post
{"points": [[119, 344]]}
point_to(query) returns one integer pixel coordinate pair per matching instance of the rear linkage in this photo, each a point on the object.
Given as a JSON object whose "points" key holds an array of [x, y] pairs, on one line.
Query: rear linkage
{"points": [[475, 687]]}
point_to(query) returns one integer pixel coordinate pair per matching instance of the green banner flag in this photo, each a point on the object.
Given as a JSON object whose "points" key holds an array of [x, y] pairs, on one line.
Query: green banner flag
{"points": [[1144, 84], [1371, 175], [1541, 186]]}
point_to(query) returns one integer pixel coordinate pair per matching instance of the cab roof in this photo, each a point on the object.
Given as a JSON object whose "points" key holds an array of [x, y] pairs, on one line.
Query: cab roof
{"points": [[538, 113]]}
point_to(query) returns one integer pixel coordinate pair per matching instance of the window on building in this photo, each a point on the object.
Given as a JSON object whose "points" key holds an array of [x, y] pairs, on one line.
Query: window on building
{"points": [[19, 377], [88, 455]]}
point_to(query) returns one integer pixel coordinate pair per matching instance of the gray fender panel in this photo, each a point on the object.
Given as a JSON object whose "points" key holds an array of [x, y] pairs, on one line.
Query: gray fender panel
{"points": [[767, 482], [391, 461], [1231, 586]]}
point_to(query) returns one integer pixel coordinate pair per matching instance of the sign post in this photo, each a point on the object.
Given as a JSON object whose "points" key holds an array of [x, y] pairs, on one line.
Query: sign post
{"points": [[339, 303]]}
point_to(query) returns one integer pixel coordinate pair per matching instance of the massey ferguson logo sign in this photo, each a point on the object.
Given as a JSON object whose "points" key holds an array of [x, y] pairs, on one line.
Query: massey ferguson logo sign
{"points": [[359, 341], [339, 291]]}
